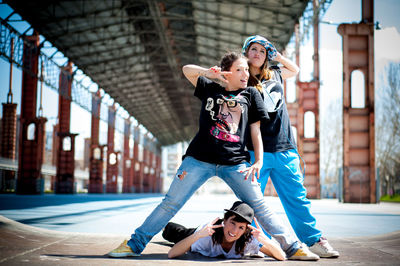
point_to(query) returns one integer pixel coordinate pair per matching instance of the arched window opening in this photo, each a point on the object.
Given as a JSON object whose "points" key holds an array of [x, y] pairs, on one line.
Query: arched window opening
{"points": [[128, 163], [97, 153], [309, 125], [113, 159], [357, 89], [30, 134], [66, 144]]}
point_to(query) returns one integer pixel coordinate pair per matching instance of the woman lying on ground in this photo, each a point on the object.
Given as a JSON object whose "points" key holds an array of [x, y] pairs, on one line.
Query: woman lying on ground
{"points": [[231, 237]]}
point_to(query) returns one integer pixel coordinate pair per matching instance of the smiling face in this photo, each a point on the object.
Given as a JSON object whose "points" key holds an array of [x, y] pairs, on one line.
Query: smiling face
{"points": [[233, 230], [257, 55], [240, 75]]}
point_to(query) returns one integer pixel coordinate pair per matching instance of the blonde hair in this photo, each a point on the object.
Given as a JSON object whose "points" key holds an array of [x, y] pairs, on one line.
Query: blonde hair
{"points": [[266, 74]]}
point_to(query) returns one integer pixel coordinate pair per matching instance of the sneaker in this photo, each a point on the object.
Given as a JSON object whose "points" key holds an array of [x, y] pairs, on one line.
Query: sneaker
{"points": [[323, 249], [122, 251], [303, 253]]}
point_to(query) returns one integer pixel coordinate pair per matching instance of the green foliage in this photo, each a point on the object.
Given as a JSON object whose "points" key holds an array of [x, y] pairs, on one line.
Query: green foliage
{"points": [[394, 198]]}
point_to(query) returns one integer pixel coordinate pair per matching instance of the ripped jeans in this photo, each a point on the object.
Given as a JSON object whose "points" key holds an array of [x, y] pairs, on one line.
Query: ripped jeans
{"points": [[190, 176]]}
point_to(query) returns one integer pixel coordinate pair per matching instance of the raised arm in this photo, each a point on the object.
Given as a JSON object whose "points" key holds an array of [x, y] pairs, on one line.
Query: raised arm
{"points": [[269, 247], [193, 72], [289, 69], [258, 151], [184, 245]]}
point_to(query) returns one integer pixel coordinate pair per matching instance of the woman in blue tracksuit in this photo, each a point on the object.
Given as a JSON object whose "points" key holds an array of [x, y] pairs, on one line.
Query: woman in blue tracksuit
{"points": [[281, 159]]}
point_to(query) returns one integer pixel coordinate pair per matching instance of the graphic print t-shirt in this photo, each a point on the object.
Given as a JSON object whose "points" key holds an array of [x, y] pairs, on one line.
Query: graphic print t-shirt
{"points": [[223, 123], [276, 133]]}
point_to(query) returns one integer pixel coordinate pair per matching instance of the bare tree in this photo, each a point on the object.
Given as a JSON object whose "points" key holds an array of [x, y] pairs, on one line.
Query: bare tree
{"points": [[331, 144], [388, 129]]}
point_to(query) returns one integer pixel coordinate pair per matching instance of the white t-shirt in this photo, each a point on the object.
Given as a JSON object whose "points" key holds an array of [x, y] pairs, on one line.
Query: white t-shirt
{"points": [[205, 247]]}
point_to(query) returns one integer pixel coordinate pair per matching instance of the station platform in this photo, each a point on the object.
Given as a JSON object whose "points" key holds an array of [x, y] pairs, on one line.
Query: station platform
{"points": [[33, 243]]}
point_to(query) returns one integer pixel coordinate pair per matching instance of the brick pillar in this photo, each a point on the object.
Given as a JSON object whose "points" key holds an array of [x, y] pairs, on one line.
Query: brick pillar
{"points": [[112, 156], [31, 137], [8, 143], [295, 116], [127, 164], [9, 132], [65, 181], [310, 146], [158, 168], [96, 151], [359, 183], [145, 165], [137, 174], [151, 163]]}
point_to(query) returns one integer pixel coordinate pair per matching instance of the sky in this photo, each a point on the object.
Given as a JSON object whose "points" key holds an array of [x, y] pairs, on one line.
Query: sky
{"points": [[387, 44]]}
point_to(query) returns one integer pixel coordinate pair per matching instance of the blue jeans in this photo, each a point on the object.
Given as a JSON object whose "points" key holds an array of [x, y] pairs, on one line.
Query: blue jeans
{"points": [[190, 176], [285, 173]]}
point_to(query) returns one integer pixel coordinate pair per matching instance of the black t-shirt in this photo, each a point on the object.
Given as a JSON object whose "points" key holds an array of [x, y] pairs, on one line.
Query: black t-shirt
{"points": [[223, 124], [276, 133]]}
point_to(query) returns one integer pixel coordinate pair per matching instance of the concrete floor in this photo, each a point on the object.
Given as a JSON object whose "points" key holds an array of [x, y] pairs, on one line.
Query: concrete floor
{"points": [[80, 229]]}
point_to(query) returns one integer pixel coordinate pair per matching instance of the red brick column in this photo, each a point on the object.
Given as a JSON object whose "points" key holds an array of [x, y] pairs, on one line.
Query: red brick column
{"points": [[65, 181], [310, 146], [158, 168], [112, 156], [151, 164], [145, 165], [359, 183], [96, 151], [9, 131], [8, 143], [30, 150], [137, 165], [127, 164]]}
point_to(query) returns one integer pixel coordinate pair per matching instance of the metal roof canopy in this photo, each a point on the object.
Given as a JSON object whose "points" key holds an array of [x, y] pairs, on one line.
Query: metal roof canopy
{"points": [[135, 50]]}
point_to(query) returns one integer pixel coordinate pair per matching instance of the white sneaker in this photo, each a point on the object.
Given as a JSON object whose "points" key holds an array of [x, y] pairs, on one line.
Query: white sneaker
{"points": [[323, 249]]}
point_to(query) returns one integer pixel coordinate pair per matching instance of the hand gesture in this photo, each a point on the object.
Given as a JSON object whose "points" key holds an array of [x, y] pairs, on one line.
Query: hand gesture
{"points": [[216, 73], [253, 170], [208, 230], [271, 51], [256, 232]]}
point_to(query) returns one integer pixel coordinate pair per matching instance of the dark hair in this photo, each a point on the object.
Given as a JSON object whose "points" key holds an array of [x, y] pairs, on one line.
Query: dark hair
{"points": [[229, 58], [241, 243], [266, 73]]}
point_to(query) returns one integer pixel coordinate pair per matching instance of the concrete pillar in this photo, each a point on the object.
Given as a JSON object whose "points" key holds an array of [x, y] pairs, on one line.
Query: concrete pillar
{"points": [[96, 151], [359, 183], [31, 138], [112, 155], [65, 181]]}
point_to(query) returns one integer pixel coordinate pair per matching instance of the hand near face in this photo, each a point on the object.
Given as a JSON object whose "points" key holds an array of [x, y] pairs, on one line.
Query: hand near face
{"points": [[208, 230], [256, 232], [216, 73]]}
